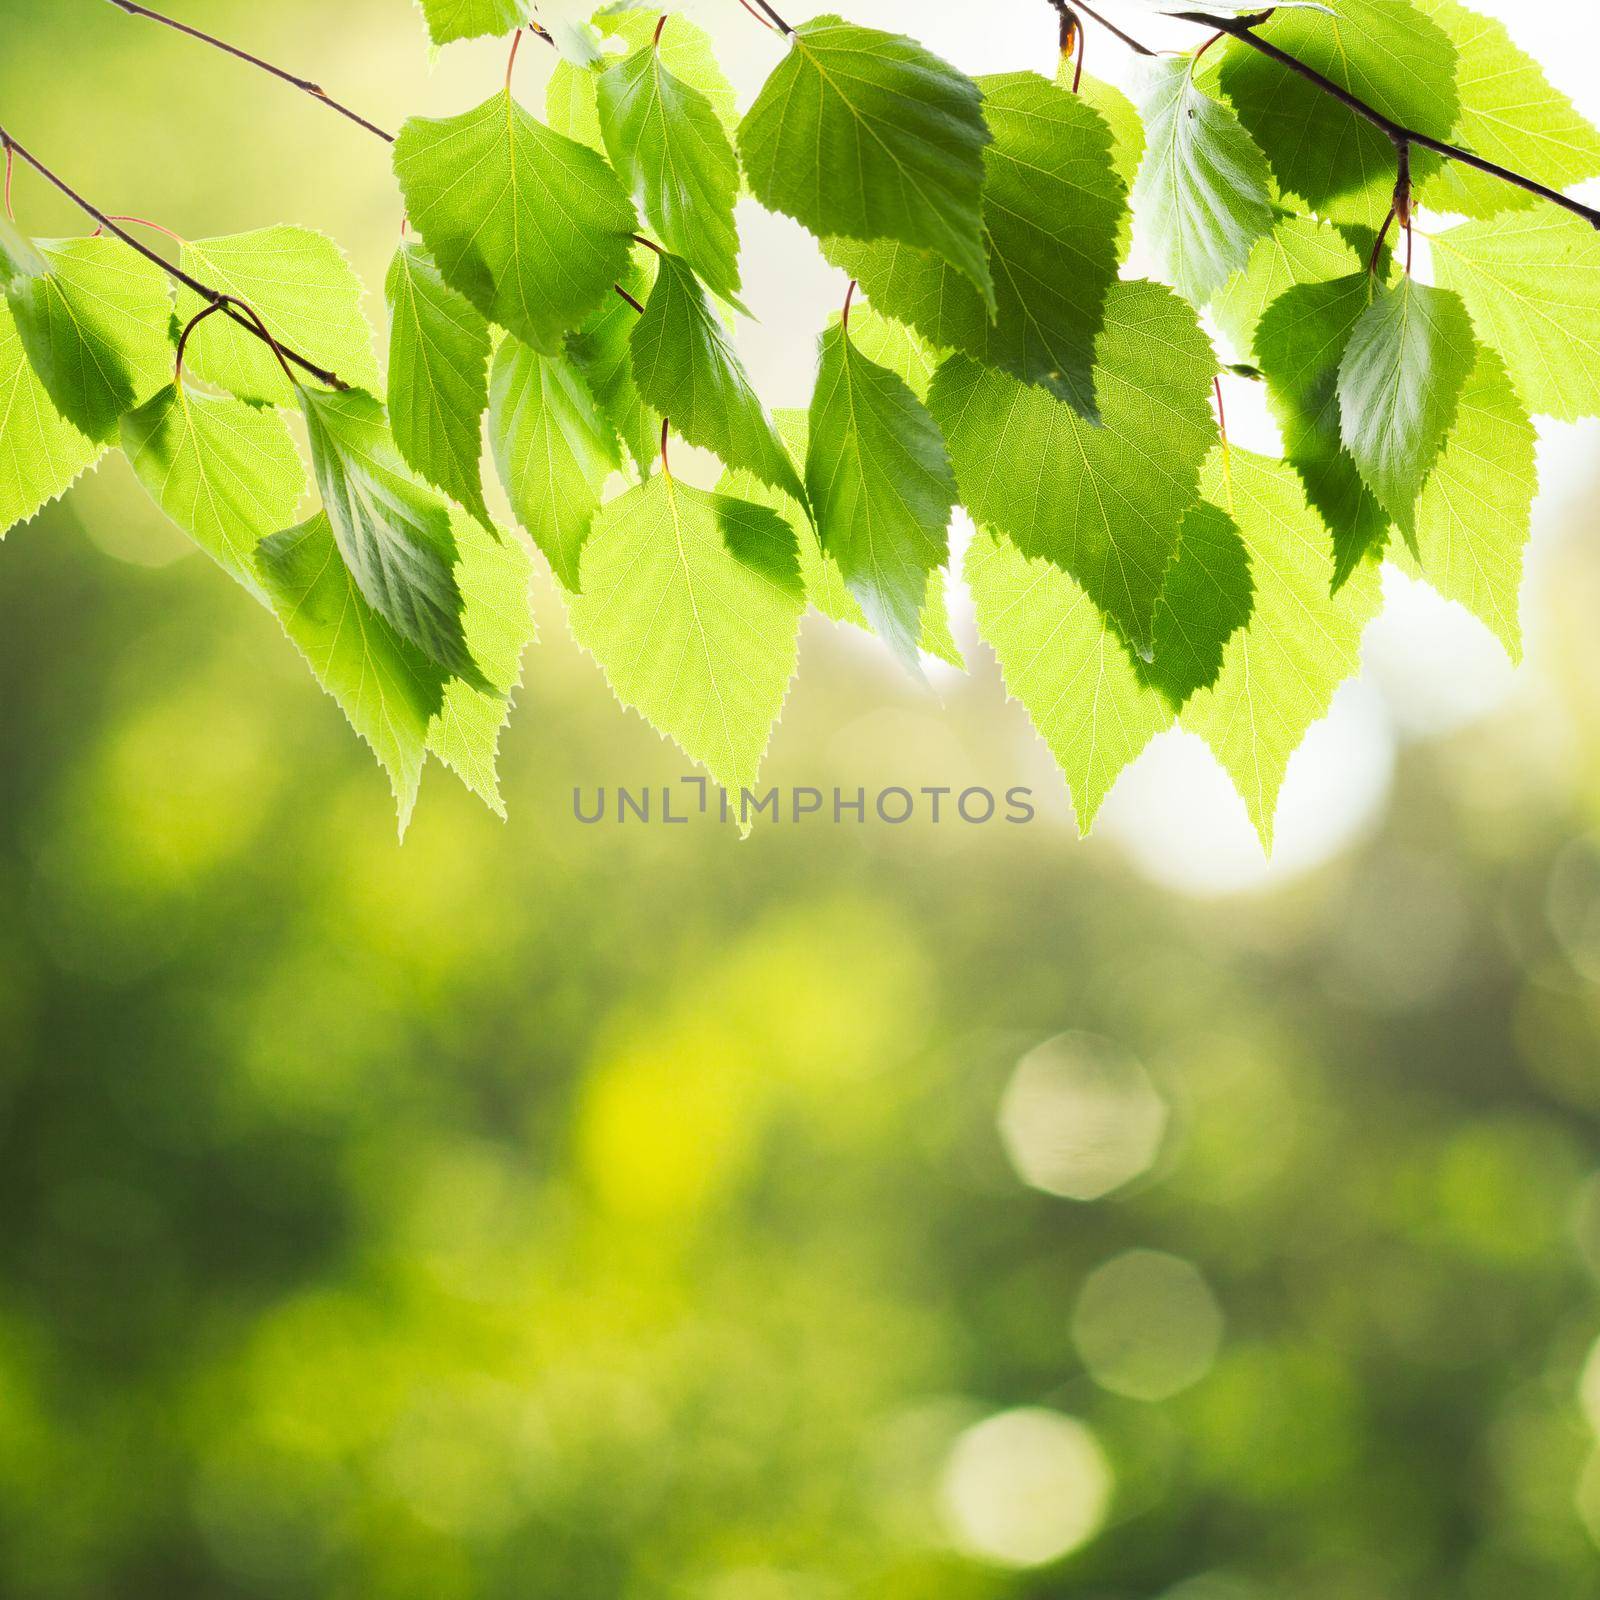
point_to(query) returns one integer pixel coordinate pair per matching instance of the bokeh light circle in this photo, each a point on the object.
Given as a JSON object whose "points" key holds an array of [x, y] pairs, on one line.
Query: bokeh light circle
{"points": [[1147, 1325]]}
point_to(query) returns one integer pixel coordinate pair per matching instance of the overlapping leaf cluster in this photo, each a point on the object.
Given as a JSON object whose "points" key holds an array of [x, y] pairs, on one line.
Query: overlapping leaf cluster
{"points": [[570, 285]]}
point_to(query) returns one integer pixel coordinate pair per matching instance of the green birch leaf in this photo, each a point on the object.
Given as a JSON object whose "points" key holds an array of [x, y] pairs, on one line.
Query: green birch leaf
{"points": [[572, 97], [302, 287], [602, 351], [449, 20], [529, 226], [1532, 285], [691, 604], [686, 368], [668, 146], [1203, 195], [1299, 250], [881, 487], [97, 326], [554, 449], [225, 472], [1475, 515], [1510, 114], [438, 378], [824, 582], [1067, 668], [1300, 345], [1053, 205], [386, 687], [865, 135], [494, 574], [1280, 673], [1103, 503], [41, 453], [393, 533], [1399, 384], [1386, 53]]}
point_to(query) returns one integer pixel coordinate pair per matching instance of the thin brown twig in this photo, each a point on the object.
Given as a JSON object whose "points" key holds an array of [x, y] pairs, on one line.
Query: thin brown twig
{"points": [[305, 85], [232, 306]]}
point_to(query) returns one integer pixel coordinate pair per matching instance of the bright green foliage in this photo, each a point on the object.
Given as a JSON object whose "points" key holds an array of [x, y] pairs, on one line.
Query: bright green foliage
{"points": [[554, 449], [449, 20], [95, 319], [1474, 516], [225, 472], [531, 227], [1509, 114], [1280, 673], [41, 454], [602, 351], [572, 97], [691, 603], [438, 378], [1052, 206], [1300, 345], [393, 533], [881, 487], [305, 291], [1104, 503], [1532, 283], [1298, 250], [388, 689], [1208, 597], [1203, 194], [824, 582], [494, 574], [1066, 666], [666, 142], [686, 368], [1399, 384], [1384, 51], [866, 135]]}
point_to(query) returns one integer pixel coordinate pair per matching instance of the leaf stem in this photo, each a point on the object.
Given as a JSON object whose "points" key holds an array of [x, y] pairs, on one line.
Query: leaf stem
{"points": [[511, 62], [1110, 27], [212, 296], [767, 17], [628, 297], [666, 433], [11, 167], [315, 90], [849, 300], [661, 28], [183, 338]]}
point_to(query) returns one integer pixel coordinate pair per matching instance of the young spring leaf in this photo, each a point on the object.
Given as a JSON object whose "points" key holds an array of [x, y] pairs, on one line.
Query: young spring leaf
{"points": [[225, 472], [386, 687], [1383, 51], [691, 604], [1203, 194], [494, 574], [686, 368], [1475, 514], [449, 20], [97, 326], [531, 227], [1532, 284], [1300, 344], [1053, 206], [666, 142], [572, 96], [882, 489], [554, 450], [1103, 503], [1299, 250], [393, 533], [824, 583], [302, 287], [602, 352], [1509, 114], [1399, 384], [438, 378], [41, 453], [865, 135], [1093, 703], [1279, 674]]}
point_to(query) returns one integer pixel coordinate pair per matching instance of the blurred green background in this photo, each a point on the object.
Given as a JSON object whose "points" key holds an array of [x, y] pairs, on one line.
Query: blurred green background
{"points": [[599, 1213]]}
